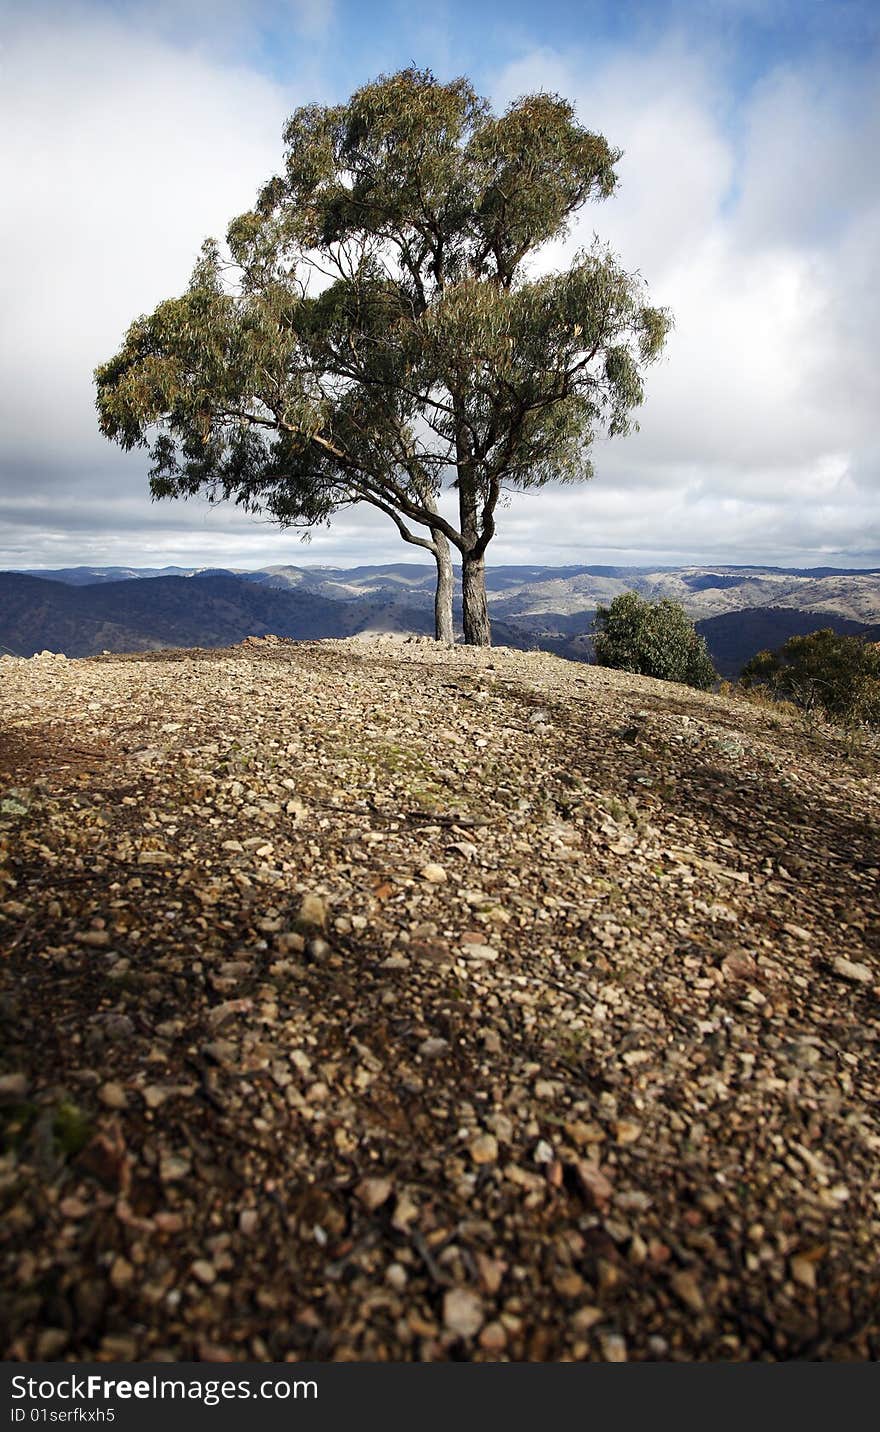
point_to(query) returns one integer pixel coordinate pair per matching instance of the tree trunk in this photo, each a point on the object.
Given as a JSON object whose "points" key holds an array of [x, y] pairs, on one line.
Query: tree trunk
{"points": [[443, 628], [477, 628]]}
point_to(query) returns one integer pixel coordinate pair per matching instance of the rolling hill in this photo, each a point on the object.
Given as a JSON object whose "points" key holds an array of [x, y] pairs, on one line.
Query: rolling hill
{"points": [[81, 611]]}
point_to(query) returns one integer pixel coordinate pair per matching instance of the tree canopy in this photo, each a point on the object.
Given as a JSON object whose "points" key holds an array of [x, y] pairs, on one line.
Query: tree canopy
{"points": [[825, 672], [374, 330], [652, 639]]}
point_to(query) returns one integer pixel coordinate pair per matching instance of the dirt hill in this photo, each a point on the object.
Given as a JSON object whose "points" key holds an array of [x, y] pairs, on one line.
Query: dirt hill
{"points": [[366, 1000]]}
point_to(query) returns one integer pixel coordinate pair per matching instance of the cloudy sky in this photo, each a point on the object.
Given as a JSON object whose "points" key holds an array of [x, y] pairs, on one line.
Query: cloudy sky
{"points": [[749, 199]]}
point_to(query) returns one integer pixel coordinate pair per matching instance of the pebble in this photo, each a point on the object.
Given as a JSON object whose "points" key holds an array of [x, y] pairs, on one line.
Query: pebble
{"points": [[853, 971], [484, 1149], [613, 1347], [121, 1273], [396, 1277], [493, 1337], [561, 1005], [113, 1096], [312, 912], [685, 1285], [405, 1214], [432, 1048], [594, 1183], [373, 1192], [462, 1312]]}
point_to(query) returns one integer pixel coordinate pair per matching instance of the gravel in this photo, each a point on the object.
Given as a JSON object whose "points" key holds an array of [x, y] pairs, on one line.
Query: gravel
{"points": [[369, 1000]]}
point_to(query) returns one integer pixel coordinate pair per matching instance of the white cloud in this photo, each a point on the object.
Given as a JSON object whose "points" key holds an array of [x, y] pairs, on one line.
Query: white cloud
{"points": [[763, 239], [121, 154], [124, 146]]}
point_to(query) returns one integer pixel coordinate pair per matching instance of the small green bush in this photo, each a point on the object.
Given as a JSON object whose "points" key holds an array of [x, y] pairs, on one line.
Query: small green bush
{"points": [[836, 675], [652, 639]]}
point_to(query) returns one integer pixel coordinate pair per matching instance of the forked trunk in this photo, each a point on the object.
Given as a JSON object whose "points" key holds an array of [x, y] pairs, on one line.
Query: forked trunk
{"points": [[477, 627], [443, 627], [477, 630]]}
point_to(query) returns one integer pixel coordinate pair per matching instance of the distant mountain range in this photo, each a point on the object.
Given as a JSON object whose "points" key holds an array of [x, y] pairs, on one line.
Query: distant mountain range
{"points": [[82, 611]]}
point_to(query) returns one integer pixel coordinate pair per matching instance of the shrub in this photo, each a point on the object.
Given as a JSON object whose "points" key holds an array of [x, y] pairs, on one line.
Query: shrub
{"points": [[837, 675], [652, 639]]}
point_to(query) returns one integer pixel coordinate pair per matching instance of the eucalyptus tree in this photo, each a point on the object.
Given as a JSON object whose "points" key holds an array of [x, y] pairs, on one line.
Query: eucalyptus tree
{"points": [[376, 330]]}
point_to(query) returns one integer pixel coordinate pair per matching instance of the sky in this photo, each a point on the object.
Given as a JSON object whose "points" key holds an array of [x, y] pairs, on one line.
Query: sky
{"points": [[749, 199]]}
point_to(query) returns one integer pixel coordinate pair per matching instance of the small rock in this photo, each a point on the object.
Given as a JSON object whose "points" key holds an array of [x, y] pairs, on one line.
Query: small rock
{"points": [[594, 1183], [220, 1051], [434, 874], [73, 1208], [480, 954], [433, 1048], [852, 971], [167, 1222], [396, 964], [613, 1347], [405, 1214], [14, 1086], [803, 1271], [586, 1318], [627, 1131], [396, 1277], [121, 1273], [491, 1271], [493, 1338], [462, 1312], [248, 1221], [173, 1167], [113, 1096], [312, 912], [484, 1149], [154, 857], [739, 965], [797, 931], [686, 1287], [204, 1271], [568, 1284], [373, 1192]]}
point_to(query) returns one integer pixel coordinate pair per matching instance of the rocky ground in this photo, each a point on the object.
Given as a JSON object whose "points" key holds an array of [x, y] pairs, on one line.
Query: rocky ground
{"points": [[371, 1001]]}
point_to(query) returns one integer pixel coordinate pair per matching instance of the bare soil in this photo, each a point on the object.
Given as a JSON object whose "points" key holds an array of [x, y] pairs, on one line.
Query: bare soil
{"points": [[375, 1001]]}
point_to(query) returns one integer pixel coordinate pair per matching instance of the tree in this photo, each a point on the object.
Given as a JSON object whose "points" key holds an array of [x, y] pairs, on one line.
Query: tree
{"points": [[838, 675], [377, 333], [652, 639]]}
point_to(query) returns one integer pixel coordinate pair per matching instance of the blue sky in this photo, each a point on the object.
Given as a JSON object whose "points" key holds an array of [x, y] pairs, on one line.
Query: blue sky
{"points": [[749, 199]]}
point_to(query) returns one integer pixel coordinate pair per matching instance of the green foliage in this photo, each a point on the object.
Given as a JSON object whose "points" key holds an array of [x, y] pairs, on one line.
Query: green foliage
{"points": [[71, 1128], [837, 675], [652, 639]]}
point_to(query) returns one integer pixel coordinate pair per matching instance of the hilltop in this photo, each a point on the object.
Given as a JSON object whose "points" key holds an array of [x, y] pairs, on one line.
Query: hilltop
{"points": [[365, 999]]}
